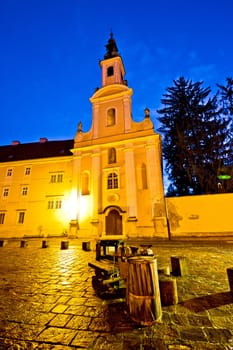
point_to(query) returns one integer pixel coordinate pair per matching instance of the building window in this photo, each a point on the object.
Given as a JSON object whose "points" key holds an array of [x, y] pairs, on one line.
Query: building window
{"points": [[50, 204], [2, 218], [24, 191], [110, 71], [59, 178], [58, 204], [55, 204], [56, 178], [111, 155], [53, 178], [85, 184], [21, 216], [111, 117], [9, 172], [27, 171], [5, 192], [112, 181]]}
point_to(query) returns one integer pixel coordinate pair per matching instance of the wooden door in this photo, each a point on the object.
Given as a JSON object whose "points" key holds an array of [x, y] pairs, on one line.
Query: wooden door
{"points": [[113, 223]]}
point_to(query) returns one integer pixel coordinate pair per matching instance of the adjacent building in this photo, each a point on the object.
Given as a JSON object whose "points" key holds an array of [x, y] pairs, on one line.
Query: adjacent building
{"points": [[104, 182]]}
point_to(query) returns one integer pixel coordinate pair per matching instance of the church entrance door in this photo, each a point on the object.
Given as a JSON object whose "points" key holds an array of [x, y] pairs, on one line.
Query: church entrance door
{"points": [[113, 223]]}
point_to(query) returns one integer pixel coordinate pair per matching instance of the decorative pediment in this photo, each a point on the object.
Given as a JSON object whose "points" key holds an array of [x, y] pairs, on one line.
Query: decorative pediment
{"points": [[109, 90]]}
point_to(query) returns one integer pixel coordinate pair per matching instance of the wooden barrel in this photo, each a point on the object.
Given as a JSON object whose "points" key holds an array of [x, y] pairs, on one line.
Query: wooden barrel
{"points": [[143, 294]]}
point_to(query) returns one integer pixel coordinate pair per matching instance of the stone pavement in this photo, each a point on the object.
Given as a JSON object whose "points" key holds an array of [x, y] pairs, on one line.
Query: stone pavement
{"points": [[47, 301]]}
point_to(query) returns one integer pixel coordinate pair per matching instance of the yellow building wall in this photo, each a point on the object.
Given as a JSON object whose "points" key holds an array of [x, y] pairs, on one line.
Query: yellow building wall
{"points": [[39, 219], [201, 216]]}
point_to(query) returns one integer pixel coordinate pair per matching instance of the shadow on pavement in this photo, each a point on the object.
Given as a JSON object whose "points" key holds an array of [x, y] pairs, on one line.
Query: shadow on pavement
{"points": [[208, 302]]}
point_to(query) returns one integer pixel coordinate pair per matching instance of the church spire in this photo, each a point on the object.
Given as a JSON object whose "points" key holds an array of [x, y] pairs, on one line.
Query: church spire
{"points": [[112, 50], [113, 71]]}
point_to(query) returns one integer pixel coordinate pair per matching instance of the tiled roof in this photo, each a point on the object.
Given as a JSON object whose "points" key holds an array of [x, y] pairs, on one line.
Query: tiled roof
{"points": [[35, 150]]}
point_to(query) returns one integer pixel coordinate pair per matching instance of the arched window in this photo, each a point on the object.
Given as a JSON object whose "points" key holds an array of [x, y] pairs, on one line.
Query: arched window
{"points": [[85, 184], [112, 181], [111, 155], [111, 117], [144, 176]]}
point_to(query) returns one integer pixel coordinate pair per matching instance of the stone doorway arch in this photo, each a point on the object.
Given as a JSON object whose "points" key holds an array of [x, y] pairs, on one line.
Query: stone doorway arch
{"points": [[113, 222]]}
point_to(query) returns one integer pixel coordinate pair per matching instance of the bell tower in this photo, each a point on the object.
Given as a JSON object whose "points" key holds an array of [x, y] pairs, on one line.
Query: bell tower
{"points": [[111, 104]]}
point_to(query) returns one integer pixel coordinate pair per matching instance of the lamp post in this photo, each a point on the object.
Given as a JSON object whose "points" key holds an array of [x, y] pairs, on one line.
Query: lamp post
{"points": [[223, 175]]}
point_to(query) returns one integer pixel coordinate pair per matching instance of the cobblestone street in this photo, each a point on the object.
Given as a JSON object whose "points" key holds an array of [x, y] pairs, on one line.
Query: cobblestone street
{"points": [[47, 301]]}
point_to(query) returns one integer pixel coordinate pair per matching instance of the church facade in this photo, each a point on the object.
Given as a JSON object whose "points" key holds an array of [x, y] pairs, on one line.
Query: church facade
{"points": [[104, 182]]}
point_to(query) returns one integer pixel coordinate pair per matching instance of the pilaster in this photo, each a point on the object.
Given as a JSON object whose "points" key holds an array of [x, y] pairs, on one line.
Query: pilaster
{"points": [[130, 183], [96, 185]]}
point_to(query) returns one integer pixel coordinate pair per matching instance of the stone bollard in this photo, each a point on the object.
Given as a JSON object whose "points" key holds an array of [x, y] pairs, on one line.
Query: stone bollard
{"points": [[164, 270], [168, 290], [64, 244], [2, 243], [45, 244], [179, 266], [86, 246], [98, 251], [23, 243], [230, 278]]}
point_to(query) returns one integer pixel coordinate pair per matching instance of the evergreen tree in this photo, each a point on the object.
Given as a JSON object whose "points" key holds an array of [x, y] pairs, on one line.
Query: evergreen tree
{"points": [[225, 94], [194, 137]]}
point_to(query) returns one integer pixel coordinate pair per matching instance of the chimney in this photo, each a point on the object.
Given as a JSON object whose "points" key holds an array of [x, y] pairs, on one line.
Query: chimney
{"points": [[43, 139], [15, 143]]}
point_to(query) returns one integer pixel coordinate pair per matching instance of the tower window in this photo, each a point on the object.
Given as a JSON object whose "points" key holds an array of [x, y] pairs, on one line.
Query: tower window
{"points": [[110, 71], [112, 181], [111, 117]]}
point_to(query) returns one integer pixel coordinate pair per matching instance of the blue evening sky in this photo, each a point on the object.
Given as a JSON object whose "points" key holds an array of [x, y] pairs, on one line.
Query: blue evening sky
{"points": [[50, 52]]}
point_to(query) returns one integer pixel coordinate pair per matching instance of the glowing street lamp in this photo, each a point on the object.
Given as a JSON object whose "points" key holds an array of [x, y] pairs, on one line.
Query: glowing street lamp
{"points": [[224, 174], [224, 177]]}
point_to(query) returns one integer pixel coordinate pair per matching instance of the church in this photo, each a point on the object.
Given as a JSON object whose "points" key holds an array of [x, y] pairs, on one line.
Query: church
{"points": [[104, 182]]}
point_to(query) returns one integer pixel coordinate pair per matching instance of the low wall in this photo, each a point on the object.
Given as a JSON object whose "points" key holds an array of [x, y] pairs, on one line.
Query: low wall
{"points": [[201, 216]]}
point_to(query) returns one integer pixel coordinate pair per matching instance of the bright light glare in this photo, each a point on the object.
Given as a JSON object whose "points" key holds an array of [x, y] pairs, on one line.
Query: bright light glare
{"points": [[84, 208], [70, 207]]}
